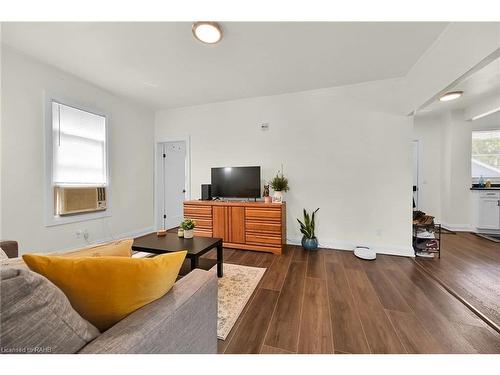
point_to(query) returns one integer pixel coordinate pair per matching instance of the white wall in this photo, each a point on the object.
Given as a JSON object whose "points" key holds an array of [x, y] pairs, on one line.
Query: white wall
{"points": [[445, 143], [338, 151], [458, 132], [427, 130], [0, 132], [131, 157]]}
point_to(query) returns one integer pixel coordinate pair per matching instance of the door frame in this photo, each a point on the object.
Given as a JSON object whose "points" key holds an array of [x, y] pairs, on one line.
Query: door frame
{"points": [[158, 181]]}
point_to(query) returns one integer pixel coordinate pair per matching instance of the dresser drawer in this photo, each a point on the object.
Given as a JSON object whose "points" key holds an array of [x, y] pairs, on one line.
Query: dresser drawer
{"points": [[263, 227], [262, 239], [200, 232], [263, 214], [193, 212], [203, 223]]}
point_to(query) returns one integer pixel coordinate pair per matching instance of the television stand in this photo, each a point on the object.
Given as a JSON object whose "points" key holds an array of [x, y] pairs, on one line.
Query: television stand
{"points": [[246, 225]]}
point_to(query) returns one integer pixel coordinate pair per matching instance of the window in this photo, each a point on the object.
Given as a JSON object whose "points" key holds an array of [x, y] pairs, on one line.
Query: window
{"points": [[79, 147], [486, 155], [77, 175]]}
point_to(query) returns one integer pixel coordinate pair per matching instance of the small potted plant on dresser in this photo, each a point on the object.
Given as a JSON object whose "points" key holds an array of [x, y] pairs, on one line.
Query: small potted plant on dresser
{"points": [[309, 240], [280, 186], [188, 226]]}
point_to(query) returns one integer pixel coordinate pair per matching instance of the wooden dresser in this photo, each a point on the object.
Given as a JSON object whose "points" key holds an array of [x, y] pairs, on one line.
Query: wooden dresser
{"points": [[242, 225]]}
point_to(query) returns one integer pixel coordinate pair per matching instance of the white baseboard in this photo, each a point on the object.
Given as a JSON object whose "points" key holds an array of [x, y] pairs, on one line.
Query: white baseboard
{"points": [[458, 227], [326, 244], [495, 232], [131, 234], [349, 246]]}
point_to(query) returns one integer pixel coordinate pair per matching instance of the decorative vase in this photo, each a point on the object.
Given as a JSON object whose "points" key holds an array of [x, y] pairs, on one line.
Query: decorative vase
{"points": [[188, 233], [278, 197], [268, 199], [180, 232], [309, 243]]}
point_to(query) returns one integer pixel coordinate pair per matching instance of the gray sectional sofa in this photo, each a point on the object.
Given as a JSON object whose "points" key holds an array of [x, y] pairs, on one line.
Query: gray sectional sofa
{"points": [[36, 317], [183, 321]]}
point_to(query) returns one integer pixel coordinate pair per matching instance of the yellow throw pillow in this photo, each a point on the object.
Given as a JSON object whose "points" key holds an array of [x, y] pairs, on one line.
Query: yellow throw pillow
{"points": [[104, 290], [120, 248]]}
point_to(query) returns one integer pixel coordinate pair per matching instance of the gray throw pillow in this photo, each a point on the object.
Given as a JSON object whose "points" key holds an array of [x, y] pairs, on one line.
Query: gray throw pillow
{"points": [[36, 316]]}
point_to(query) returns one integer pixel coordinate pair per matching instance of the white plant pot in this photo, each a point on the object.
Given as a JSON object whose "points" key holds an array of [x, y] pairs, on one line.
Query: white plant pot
{"points": [[188, 233], [278, 197]]}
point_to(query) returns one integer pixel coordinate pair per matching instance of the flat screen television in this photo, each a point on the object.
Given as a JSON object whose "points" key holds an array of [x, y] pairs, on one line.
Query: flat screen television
{"points": [[236, 182]]}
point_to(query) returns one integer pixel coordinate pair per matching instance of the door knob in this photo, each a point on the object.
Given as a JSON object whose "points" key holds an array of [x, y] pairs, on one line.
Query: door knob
{"points": [[183, 190]]}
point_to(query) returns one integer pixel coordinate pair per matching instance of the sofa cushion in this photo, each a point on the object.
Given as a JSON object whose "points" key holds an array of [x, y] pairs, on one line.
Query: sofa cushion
{"points": [[36, 316], [119, 248], [10, 248], [106, 289]]}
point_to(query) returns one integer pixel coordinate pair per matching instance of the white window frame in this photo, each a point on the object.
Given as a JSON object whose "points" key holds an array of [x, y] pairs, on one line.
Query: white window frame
{"points": [[50, 218], [475, 180]]}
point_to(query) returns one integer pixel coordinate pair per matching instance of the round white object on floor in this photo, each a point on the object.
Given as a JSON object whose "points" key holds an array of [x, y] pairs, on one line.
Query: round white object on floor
{"points": [[365, 253]]}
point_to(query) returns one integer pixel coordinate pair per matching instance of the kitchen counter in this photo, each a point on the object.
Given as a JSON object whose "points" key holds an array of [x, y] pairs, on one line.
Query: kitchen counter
{"points": [[485, 188]]}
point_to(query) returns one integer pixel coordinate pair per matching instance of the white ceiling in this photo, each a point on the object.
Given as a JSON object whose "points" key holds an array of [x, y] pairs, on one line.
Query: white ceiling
{"points": [[488, 122], [478, 87], [162, 66]]}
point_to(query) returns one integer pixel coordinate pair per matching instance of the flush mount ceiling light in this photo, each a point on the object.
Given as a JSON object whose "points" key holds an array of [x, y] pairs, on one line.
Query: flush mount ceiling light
{"points": [[207, 32], [452, 95]]}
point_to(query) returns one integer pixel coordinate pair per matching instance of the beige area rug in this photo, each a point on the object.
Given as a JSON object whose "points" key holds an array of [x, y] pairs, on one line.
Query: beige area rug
{"points": [[235, 289]]}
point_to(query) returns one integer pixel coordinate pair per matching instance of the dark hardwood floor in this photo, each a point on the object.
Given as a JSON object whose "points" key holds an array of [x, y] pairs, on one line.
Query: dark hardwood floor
{"points": [[470, 266], [331, 302]]}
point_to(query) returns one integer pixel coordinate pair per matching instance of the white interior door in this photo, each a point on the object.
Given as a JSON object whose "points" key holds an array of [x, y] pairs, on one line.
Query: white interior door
{"points": [[173, 161], [415, 168]]}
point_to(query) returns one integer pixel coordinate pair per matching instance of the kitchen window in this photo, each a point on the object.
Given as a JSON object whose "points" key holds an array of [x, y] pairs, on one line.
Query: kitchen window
{"points": [[486, 155]]}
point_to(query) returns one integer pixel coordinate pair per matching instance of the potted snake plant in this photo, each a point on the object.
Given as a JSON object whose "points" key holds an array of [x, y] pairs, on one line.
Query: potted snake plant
{"points": [[307, 227]]}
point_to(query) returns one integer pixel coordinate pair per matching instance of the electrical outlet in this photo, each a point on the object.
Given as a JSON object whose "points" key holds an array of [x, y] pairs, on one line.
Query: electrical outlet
{"points": [[82, 233]]}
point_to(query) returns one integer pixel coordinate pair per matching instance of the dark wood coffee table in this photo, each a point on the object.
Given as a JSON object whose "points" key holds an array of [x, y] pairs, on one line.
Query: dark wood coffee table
{"points": [[196, 247]]}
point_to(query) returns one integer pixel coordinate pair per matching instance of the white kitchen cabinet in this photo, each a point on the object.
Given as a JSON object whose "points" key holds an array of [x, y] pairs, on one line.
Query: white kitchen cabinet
{"points": [[487, 210]]}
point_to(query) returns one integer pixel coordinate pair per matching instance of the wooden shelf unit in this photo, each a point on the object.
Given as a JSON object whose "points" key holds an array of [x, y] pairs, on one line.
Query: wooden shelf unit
{"points": [[255, 226]]}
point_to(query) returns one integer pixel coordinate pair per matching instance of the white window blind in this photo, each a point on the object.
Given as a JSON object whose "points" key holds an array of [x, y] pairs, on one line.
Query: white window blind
{"points": [[79, 146]]}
